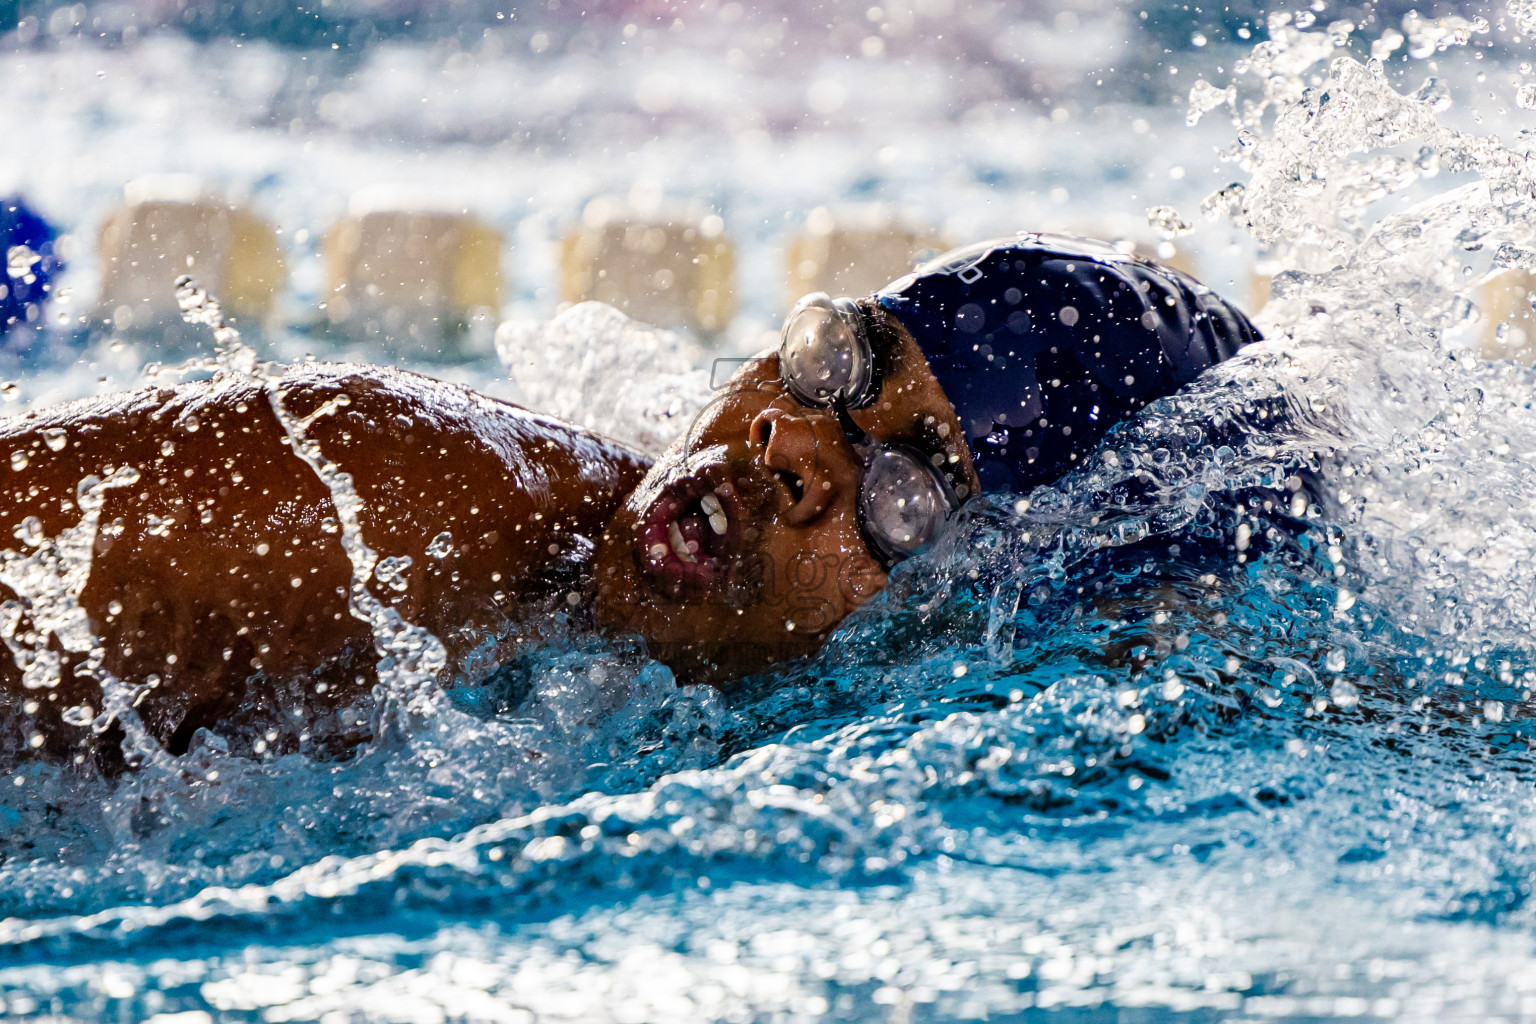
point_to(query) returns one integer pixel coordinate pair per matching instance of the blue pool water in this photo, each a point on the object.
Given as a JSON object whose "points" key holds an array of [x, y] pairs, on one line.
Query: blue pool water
{"points": [[1072, 765]]}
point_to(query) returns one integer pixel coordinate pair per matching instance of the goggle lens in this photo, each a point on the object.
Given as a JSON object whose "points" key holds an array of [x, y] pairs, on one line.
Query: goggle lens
{"points": [[902, 503], [820, 356]]}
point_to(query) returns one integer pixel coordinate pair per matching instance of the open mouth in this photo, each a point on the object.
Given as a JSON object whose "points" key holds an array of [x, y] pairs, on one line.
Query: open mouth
{"points": [[687, 536]]}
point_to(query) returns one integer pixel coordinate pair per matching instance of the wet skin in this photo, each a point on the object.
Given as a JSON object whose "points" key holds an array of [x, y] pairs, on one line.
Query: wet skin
{"points": [[220, 577], [220, 570]]}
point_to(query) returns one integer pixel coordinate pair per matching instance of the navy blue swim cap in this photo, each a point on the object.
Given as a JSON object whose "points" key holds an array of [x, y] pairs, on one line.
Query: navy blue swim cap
{"points": [[19, 226], [1044, 342]]}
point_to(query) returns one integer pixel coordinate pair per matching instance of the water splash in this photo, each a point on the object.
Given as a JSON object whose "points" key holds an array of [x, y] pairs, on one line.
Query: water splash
{"points": [[1524, 14], [566, 714], [1074, 758], [595, 366], [1379, 292], [409, 657], [45, 624]]}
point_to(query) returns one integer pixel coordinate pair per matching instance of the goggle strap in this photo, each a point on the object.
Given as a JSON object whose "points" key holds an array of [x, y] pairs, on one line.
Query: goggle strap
{"points": [[855, 434], [861, 329]]}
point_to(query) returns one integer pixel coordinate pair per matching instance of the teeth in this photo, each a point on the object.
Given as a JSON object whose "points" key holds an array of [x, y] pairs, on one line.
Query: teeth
{"points": [[717, 520], [679, 546]]}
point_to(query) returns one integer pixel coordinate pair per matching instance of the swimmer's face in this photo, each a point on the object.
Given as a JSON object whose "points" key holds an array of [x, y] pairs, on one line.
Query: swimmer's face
{"points": [[742, 545]]}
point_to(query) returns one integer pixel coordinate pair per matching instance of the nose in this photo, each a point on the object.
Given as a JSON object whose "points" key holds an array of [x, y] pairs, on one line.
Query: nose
{"points": [[809, 453]]}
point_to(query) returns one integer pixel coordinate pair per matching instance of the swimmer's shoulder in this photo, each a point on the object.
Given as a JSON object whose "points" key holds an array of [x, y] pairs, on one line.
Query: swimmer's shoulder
{"points": [[386, 395], [404, 403]]}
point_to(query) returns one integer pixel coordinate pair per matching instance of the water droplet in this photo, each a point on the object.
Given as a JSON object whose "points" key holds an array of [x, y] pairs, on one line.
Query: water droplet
{"points": [[19, 461], [441, 545], [391, 572], [55, 438], [19, 261], [30, 531], [1165, 220]]}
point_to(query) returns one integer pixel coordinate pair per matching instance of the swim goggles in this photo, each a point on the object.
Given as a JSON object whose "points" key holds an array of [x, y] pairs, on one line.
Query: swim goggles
{"points": [[826, 362]]}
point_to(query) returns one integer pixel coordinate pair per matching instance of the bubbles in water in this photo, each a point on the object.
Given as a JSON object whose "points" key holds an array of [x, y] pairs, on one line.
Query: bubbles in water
{"points": [[1525, 96]]}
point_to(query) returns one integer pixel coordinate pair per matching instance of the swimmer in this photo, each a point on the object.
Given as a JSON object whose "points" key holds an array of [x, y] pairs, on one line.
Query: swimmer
{"points": [[219, 584]]}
